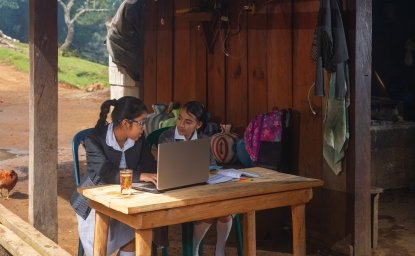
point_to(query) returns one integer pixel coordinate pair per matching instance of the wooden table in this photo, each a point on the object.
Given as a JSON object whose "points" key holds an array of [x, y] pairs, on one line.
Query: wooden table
{"points": [[144, 211]]}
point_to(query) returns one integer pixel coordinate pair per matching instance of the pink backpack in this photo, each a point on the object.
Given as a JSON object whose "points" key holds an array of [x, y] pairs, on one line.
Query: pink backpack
{"points": [[264, 127]]}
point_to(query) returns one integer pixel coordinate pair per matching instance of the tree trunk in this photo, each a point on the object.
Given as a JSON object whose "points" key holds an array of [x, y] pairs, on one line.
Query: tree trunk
{"points": [[69, 37]]}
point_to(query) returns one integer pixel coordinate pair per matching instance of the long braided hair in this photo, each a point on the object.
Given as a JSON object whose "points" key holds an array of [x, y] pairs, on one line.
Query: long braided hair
{"points": [[127, 107]]}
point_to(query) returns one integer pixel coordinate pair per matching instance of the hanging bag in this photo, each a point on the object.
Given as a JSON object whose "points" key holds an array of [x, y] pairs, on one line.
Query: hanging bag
{"points": [[264, 137]]}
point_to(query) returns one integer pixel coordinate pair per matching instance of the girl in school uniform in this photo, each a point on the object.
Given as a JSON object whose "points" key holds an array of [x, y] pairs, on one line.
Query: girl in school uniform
{"points": [[113, 146], [189, 124]]}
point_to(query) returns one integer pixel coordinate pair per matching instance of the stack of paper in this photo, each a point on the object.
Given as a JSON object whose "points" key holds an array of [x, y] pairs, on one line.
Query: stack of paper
{"points": [[226, 175]]}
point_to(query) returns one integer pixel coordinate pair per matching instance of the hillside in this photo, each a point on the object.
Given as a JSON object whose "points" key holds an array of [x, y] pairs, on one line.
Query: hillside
{"points": [[71, 70]]}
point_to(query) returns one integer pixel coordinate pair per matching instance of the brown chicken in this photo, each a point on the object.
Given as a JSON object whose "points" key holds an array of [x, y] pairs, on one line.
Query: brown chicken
{"points": [[8, 179]]}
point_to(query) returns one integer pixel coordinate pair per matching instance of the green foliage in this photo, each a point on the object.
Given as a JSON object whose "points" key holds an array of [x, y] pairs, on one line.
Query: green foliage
{"points": [[18, 58], [14, 18], [93, 17], [90, 30], [71, 70], [8, 4], [81, 72]]}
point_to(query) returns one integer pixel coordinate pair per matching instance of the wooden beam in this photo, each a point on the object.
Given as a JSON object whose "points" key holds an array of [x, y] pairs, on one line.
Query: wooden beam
{"points": [[20, 237], [43, 115], [358, 165], [248, 224]]}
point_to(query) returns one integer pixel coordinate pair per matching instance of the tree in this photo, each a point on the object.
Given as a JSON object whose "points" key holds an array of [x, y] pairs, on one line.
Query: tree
{"points": [[8, 4], [82, 7]]}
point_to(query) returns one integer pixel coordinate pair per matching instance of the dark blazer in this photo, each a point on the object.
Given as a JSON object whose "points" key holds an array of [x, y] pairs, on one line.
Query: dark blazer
{"points": [[103, 165]]}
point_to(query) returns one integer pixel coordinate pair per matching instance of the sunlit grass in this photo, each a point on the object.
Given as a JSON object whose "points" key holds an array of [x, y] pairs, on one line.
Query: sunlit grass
{"points": [[71, 70]]}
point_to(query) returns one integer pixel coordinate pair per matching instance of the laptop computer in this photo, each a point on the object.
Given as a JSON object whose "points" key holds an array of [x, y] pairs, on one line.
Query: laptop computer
{"points": [[180, 164]]}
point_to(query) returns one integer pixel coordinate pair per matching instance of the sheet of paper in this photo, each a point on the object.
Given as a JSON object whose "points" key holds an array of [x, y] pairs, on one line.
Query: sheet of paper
{"points": [[235, 173], [218, 178]]}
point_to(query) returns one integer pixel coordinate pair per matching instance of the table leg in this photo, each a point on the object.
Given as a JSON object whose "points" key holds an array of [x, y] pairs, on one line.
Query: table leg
{"points": [[249, 242], [101, 234], [143, 239], [298, 220]]}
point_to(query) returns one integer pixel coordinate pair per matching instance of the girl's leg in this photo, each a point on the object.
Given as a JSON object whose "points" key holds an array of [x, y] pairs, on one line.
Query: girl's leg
{"points": [[124, 253], [199, 230], [223, 228]]}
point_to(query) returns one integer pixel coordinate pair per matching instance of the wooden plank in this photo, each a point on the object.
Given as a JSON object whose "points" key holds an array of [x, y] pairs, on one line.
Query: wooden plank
{"points": [[184, 72], [101, 234], [28, 234], [199, 61], [13, 244], [249, 240], [268, 182], [257, 63], [298, 221], [43, 116], [375, 220], [143, 240], [174, 215], [359, 34], [236, 66], [310, 148], [279, 55], [216, 82], [149, 81], [165, 35]]}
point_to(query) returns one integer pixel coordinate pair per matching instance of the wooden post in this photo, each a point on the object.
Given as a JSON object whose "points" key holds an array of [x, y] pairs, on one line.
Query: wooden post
{"points": [[43, 116], [249, 240], [358, 165], [298, 220], [143, 240], [101, 234]]}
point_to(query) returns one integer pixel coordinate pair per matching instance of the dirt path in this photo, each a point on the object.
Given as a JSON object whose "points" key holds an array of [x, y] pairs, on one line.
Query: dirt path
{"points": [[77, 110]]}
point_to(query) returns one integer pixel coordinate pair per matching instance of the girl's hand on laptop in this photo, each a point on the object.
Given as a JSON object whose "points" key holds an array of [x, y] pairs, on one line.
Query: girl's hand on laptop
{"points": [[148, 177]]}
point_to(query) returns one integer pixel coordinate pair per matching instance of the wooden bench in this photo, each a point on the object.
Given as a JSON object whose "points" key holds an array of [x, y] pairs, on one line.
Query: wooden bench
{"points": [[375, 192], [18, 237]]}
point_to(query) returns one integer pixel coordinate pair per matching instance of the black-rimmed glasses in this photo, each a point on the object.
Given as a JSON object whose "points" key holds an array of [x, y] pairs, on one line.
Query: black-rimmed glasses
{"points": [[140, 123]]}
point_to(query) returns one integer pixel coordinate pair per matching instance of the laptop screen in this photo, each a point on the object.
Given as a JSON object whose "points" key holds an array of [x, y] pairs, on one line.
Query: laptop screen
{"points": [[183, 163]]}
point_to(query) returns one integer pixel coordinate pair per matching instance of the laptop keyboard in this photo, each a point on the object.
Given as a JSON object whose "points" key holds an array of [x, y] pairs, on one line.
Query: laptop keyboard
{"points": [[145, 186]]}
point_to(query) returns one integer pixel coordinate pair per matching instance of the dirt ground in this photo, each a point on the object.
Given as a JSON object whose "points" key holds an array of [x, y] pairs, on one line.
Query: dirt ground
{"points": [[79, 110]]}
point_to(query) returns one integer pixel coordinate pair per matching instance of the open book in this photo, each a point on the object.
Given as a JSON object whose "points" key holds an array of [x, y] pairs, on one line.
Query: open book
{"points": [[226, 175]]}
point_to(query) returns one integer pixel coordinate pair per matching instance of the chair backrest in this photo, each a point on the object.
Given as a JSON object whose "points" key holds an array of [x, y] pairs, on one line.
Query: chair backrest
{"points": [[153, 137], [76, 141]]}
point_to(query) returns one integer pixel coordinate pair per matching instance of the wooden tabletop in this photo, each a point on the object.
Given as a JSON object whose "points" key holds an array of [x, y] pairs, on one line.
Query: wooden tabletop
{"points": [[268, 182]]}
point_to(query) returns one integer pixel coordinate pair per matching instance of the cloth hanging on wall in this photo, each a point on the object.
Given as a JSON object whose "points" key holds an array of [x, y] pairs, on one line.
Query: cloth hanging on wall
{"points": [[329, 51], [125, 41], [336, 125]]}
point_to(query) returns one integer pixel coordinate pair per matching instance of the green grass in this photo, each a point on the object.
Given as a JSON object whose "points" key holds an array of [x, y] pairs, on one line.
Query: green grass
{"points": [[71, 70]]}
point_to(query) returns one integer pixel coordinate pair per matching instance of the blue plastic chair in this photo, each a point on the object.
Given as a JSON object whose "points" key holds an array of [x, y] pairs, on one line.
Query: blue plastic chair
{"points": [[77, 140]]}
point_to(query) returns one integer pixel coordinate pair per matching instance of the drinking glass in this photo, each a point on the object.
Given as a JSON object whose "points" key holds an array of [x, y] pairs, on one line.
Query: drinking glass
{"points": [[126, 181]]}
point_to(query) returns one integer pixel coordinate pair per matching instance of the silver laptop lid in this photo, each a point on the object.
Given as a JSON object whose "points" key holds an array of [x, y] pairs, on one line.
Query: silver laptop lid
{"points": [[183, 163]]}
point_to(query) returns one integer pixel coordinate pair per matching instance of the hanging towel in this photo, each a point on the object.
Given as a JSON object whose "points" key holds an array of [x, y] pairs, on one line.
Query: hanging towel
{"points": [[336, 125], [329, 49]]}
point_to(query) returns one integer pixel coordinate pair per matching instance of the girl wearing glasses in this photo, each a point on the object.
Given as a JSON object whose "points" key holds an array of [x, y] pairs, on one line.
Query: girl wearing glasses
{"points": [[189, 126], [113, 146]]}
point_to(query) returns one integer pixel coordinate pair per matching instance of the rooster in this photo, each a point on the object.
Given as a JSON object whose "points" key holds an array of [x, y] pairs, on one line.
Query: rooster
{"points": [[8, 179]]}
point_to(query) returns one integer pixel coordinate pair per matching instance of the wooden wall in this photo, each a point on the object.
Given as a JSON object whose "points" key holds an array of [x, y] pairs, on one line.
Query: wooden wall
{"points": [[268, 64], [255, 77]]}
